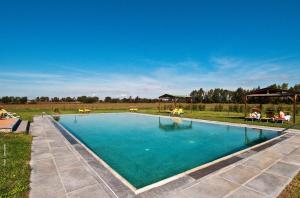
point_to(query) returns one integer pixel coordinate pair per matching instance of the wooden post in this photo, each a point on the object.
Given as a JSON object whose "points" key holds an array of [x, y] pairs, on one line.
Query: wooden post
{"points": [[294, 108], [159, 105], [174, 103], [260, 106], [245, 106]]}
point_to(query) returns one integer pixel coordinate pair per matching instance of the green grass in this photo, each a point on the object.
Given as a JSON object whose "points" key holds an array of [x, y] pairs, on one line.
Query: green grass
{"points": [[15, 168], [227, 117], [293, 189], [28, 114]]}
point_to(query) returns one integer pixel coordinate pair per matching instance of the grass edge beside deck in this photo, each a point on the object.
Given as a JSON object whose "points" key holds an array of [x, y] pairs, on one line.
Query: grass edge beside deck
{"points": [[15, 171]]}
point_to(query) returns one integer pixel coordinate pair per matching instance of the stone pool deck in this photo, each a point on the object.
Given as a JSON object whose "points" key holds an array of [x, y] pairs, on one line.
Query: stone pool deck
{"points": [[61, 167]]}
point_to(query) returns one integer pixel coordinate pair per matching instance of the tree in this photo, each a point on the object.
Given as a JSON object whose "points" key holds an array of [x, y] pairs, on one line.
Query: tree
{"points": [[55, 99], [23, 100], [107, 99]]}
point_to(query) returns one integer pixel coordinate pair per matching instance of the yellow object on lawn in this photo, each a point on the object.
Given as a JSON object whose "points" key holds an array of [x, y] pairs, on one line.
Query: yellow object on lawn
{"points": [[177, 111], [87, 110], [180, 111], [133, 109]]}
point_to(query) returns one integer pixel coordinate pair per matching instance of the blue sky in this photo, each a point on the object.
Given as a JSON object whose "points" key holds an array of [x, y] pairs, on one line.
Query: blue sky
{"points": [[146, 48]]}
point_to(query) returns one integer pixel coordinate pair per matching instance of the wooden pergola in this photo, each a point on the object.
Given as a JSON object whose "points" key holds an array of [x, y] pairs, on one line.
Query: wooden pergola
{"points": [[272, 92], [172, 98]]}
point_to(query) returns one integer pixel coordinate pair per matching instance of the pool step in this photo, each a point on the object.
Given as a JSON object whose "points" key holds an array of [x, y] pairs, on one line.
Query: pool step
{"points": [[23, 127]]}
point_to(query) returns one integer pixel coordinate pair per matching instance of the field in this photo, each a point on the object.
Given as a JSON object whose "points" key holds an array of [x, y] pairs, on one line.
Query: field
{"points": [[219, 112], [14, 168]]}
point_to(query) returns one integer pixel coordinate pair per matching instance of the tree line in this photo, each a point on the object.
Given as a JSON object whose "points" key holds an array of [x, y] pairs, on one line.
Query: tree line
{"points": [[217, 95]]}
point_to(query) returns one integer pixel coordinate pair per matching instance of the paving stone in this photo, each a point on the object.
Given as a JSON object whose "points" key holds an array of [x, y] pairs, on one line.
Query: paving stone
{"points": [[64, 163], [260, 163], [93, 191], [296, 152], [271, 153], [243, 192], [291, 158], [167, 189], [48, 186], [175, 194], [268, 184], [247, 154], [43, 167], [295, 139], [58, 143], [61, 152], [40, 153], [284, 169], [84, 153], [76, 178], [284, 148], [211, 187], [240, 174]]}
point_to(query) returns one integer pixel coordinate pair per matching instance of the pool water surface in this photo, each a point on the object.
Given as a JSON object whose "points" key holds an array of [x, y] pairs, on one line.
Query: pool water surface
{"points": [[146, 149]]}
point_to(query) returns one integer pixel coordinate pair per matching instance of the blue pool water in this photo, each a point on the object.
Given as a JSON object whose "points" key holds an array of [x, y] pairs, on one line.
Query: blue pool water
{"points": [[146, 149]]}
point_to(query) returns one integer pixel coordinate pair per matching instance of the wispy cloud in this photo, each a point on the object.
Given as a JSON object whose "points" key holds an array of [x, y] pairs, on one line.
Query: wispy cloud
{"points": [[179, 77]]}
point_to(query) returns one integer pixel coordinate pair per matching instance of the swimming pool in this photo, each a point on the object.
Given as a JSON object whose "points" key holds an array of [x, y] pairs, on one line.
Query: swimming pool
{"points": [[146, 149]]}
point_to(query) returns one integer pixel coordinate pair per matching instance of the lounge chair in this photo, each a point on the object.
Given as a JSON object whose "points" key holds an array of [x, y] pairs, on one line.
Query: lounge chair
{"points": [[174, 111], [177, 112], [87, 110], [81, 110], [282, 117], [180, 111], [5, 114], [133, 109], [253, 116]]}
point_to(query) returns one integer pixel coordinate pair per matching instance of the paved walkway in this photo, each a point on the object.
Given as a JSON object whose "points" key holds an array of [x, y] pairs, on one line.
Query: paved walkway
{"points": [[58, 170]]}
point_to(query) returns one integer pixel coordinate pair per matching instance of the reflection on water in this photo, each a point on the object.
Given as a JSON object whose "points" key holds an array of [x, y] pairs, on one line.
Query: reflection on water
{"points": [[253, 141], [56, 117], [75, 120], [177, 124]]}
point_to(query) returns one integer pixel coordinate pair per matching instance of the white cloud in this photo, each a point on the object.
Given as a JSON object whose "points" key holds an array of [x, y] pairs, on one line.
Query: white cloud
{"points": [[180, 78]]}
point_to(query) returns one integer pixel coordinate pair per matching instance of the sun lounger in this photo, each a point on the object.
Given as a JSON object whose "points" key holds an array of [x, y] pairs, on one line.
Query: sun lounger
{"points": [[180, 111], [251, 119], [280, 120], [5, 114], [133, 109], [87, 110], [265, 119], [177, 112], [81, 110], [253, 116]]}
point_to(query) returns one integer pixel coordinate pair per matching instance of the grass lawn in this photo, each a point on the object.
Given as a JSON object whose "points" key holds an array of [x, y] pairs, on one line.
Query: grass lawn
{"points": [[15, 168], [227, 117], [28, 114], [293, 189]]}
